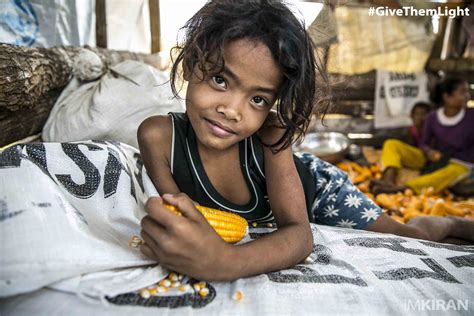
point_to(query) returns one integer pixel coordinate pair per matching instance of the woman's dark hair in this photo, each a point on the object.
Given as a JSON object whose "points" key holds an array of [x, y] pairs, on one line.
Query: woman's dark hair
{"points": [[420, 105], [448, 86], [271, 23]]}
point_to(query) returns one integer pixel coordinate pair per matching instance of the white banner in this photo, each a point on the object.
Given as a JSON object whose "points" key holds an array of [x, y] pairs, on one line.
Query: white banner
{"points": [[395, 95]]}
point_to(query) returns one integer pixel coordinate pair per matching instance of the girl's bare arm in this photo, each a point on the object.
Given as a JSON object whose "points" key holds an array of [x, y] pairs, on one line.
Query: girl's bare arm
{"points": [[154, 140]]}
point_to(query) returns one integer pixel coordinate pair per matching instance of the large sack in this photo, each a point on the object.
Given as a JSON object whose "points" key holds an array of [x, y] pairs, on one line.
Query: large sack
{"points": [[67, 210], [112, 107]]}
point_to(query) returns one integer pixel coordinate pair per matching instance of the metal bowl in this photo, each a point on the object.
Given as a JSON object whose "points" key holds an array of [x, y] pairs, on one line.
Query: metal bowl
{"points": [[329, 146]]}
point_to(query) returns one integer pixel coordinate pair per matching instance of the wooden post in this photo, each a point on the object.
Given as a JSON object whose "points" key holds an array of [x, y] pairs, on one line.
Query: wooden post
{"points": [[100, 24], [155, 28]]}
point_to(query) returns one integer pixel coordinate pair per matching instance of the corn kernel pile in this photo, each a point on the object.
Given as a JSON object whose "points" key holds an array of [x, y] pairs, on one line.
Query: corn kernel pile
{"points": [[404, 206], [174, 283]]}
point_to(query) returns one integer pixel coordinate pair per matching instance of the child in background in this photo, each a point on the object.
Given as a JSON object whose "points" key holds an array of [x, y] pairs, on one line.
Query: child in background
{"points": [[446, 152], [418, 115], [231, 151], [394, 148]]}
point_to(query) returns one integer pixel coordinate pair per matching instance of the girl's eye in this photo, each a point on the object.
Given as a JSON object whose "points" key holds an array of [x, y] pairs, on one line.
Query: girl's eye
{"points": [[259, 101], [220, 81]]}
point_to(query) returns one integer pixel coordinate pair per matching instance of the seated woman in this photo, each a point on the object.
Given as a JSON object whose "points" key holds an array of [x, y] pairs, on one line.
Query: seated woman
{"points": [[446, 152]]}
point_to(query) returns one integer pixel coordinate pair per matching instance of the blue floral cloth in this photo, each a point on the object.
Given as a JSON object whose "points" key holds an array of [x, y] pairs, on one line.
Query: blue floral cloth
{"points": [[338, 202]]}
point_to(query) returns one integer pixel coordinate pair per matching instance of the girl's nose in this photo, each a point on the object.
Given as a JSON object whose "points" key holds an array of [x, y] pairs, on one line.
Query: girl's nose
{"points": [[231, 110]]}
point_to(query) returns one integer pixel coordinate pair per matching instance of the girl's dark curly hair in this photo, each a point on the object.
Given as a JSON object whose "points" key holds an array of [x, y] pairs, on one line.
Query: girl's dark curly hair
{"points": [[270, 22], [448, 85]]}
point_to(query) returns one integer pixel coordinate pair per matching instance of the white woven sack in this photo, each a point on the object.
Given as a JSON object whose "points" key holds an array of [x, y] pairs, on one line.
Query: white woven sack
{"points": [[67, 210], [112, 107]]}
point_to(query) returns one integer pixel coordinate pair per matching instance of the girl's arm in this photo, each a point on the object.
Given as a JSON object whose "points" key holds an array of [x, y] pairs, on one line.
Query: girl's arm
{"points": [[154, 140], [293, 240]]}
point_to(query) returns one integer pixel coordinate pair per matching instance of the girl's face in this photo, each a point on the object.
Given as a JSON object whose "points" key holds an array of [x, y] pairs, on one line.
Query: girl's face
{"points": [[419, 115], [458, 98], [228, 107]]}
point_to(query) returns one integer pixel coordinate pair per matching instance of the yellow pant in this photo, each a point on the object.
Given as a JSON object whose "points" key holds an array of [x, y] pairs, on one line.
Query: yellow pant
{"points": [[398, 155]]}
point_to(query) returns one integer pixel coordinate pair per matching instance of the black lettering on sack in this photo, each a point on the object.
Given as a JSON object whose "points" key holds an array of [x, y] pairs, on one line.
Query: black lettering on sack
{"points": [[437, 273], [91, 173], [5, 213], [11, 157], [35, 153], [321, 255], [394, 244], [308, 275], [139, 174], [193, 300], [459, 248], [462, 261], [113, 169]]}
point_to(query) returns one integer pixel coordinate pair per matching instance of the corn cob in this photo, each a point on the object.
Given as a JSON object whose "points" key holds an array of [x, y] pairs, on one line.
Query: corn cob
{"points": [[231, 227]]}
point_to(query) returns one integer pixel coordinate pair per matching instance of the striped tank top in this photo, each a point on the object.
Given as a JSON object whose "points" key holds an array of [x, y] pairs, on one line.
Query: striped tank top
{"points": [[189, 174]]}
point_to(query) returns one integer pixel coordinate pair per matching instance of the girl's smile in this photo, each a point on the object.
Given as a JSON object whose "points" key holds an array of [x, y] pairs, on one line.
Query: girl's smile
{"points": [[219, 129]]}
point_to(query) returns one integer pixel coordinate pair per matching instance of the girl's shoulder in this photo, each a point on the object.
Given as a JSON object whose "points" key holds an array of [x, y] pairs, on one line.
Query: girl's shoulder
{"points": [[154, 130]]}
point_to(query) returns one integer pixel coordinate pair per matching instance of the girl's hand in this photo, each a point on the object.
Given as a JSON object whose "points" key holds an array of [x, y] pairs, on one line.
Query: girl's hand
{"points": [[186, 244], [433, 155]]}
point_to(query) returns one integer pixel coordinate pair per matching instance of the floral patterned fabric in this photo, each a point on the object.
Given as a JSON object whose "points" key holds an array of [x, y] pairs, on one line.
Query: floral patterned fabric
{"points": [[338, 202]]}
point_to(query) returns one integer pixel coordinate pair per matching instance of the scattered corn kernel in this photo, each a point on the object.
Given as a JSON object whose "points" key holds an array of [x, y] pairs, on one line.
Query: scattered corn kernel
{"points": [[238, 296], [308, 260], [162, 289], [180, 276], [152, 291], [184, 288], [254, 224], [204, 292], [135, 242], [144, 293], [269, 225], [173, 276], [165, 283], [196, 287], [202, 284], [175, 284]]}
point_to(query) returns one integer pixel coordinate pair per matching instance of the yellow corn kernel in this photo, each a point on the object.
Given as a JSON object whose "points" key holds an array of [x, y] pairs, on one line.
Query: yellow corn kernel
{"points": [[238, 296], [184, 288], [144, 293], [152, 291], [162, 289], [173, 276], [164, 283], [135, 242], [231, 227], [204, 292], [254, 224]]}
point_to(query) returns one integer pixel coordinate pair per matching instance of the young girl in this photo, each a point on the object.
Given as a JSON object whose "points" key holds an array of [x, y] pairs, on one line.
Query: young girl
{"points": [[231, 151], [446, 152]]}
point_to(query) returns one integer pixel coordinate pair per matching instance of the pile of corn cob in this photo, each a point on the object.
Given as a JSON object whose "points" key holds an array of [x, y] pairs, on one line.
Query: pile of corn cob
{"points": [[404, 206]]}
